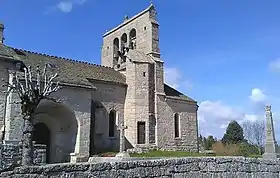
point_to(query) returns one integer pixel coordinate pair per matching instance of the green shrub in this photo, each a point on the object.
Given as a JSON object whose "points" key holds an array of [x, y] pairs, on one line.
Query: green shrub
{"points": [[241, 149], [246, 149]]}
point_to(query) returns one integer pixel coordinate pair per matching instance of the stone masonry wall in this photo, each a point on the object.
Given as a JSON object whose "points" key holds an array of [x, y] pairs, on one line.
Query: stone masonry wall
{"points": [[227, 167], [187, 140], [139, 104], [11, 155], [109, 97], [4, 66]]}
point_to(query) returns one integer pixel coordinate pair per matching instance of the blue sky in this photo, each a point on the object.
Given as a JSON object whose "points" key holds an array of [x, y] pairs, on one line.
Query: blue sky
{"points": [[218, 52]]}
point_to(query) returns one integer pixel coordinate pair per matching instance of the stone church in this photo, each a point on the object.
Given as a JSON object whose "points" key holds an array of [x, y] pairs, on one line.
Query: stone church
{"points": [[126, 89]]}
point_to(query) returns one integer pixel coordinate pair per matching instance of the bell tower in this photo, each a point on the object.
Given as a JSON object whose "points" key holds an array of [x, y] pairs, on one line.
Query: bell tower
{"points": [[140, 32]]}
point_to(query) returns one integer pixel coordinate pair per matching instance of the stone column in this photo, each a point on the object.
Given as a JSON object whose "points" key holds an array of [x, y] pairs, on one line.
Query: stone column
{"points": [[13, 121], [270, 142], [83, 136], [83, 115]]}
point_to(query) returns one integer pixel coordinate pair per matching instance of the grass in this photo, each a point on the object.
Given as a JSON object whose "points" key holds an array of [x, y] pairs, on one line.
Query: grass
{"points": [[168, 154], [181, 154], [106, 154], [156, 153], [255, 156]]}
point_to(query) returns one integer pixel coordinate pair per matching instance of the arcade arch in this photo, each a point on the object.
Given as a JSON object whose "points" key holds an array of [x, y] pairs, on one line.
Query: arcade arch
{"points": [[57, 127]]}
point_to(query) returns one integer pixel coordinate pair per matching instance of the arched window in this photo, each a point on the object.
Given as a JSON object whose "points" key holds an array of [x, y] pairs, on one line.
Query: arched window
{"points": [[132, 34], [123, 41], [116, 45], [132, 39], [177, 125], [112, 123]]}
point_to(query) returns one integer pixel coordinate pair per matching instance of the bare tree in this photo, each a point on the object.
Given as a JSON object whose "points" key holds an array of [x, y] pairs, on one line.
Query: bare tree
{"points": [[31, 90], [254, 132]]}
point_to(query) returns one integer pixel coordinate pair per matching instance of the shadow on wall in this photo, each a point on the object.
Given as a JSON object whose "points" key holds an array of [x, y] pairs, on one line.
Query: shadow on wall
{"points": [[128, 145], [104, 134]]}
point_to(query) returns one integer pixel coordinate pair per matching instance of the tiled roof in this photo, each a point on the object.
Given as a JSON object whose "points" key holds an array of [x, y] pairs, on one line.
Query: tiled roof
{"points": [[171, 92], [70, 71], [80, 73]]}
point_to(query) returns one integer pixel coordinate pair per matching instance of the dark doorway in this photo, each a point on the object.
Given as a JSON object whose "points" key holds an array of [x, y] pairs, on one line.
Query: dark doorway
{"points": [[141, 133], [41, 135], [92, 128]]}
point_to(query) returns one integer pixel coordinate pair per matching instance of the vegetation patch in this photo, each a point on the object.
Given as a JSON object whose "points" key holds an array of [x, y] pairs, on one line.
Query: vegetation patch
{"points": [[219, 150], [106, 154], [170, 154]]}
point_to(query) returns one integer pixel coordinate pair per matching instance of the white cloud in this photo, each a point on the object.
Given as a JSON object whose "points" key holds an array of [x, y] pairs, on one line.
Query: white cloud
{"points": [[223, 126], [65, 6], [174, 78], [214, 117], [218, 110], [274, 65], [253, 117], [257, 95]]}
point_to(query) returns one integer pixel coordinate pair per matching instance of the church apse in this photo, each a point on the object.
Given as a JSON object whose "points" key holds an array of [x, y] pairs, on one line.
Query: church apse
{"points": [[59, 133]]}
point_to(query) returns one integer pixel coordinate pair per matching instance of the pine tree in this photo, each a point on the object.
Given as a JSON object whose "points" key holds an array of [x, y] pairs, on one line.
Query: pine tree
{"points": [[234, 134], [209, 142]]}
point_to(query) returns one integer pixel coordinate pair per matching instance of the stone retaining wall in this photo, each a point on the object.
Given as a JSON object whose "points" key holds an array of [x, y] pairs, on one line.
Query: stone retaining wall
{"points": [[10, 155], [184, 167]]}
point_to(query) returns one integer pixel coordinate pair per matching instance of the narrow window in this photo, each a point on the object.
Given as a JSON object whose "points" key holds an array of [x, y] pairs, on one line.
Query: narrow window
{"points": [[112, 123], [144, 74], [177, 125], [141, 132]]}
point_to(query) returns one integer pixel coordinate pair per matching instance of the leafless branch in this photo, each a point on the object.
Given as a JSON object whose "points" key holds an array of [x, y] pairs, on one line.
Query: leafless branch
{"points": [[32, 91], [254, 132]]}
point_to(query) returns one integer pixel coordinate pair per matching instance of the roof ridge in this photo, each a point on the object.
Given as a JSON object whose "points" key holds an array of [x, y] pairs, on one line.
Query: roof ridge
{"points": [[59, 57]]}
